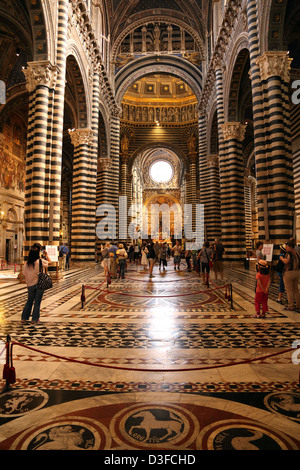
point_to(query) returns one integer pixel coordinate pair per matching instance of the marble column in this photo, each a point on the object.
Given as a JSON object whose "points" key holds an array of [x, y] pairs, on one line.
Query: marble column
{"points": [[232, 191], [83, 207]]}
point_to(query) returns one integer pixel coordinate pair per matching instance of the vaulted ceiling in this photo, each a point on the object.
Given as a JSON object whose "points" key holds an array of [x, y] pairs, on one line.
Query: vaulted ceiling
{"points": [[193, 13]]}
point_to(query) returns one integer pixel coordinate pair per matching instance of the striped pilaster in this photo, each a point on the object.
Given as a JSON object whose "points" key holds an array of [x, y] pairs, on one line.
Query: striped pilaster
{"points": [[232, 191], [213, 204], [124, 193], [113, 184], [83, 206]]}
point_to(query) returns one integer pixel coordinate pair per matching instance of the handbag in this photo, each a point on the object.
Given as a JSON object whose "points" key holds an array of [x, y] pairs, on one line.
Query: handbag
{"points": [[44, 280], [210, 263]]}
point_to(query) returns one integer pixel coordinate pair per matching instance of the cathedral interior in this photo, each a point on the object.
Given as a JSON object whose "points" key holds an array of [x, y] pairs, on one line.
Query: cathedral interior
{"points": [[109, 108]]}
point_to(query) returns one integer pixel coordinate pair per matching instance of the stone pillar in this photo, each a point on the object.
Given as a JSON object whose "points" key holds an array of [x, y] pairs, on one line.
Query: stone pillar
{"points": [[232, 191], [271, 119], [41, 81], [56, 137], [274, 163], [83, 208]]}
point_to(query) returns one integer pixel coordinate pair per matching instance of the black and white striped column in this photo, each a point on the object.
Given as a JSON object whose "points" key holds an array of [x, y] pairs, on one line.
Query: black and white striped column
{"points": [[83, 206], [41, 80], [232, 191]]}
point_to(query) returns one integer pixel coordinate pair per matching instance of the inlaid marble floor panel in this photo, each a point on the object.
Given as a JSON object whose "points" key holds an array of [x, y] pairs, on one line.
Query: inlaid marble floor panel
{"points": [[161, 364]]}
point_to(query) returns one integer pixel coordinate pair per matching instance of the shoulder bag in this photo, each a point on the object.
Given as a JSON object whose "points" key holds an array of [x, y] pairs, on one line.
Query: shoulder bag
{"points": [[44, 280]]}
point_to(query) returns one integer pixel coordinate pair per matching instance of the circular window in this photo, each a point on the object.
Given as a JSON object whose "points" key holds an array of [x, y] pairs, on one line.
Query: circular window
{"points": [[161, 172]]}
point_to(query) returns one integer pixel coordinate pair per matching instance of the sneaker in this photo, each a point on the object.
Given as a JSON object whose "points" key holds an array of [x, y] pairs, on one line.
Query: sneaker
{"points": [[256, 315], [279, 301]]}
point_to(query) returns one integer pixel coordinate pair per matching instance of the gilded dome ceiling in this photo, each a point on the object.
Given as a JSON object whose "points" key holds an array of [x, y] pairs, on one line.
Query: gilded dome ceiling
{"points": [[159, 88]]}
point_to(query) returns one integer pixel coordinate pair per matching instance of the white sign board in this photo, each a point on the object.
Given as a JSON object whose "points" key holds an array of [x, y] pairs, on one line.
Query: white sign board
{"points": [[268, 252], [52, 252]]}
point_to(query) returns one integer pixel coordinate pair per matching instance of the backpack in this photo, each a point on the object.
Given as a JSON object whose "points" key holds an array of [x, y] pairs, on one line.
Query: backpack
{"points": [[279, 266]]}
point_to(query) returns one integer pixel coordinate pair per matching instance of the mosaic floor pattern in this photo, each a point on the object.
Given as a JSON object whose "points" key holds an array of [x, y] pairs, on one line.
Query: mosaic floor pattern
{"points": [[153, 365]]}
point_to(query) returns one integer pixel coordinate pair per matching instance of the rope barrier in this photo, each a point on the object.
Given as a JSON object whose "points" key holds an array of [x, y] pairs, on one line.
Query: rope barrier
{"points": [[186, 369], [151, 296]]}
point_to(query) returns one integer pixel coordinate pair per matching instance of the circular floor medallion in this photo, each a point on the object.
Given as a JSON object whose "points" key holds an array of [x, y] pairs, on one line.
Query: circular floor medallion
{"points": [[286, 404], [74, 433], [155, 426], [242, 435], [19, 402]]}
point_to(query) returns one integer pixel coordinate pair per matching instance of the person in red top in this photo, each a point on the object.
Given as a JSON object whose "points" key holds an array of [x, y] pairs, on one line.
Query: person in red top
{"points": [[262, 289]]}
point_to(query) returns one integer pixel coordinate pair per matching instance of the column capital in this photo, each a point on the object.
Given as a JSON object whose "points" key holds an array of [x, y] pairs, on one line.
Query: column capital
{"points": [[234, 130], [104, 163], [40, 73], [275, 63], [212, 160], [81, 136]]}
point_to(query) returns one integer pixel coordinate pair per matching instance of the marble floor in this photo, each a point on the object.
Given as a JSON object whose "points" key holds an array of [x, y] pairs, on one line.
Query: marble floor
{"points": [[161, 364]]}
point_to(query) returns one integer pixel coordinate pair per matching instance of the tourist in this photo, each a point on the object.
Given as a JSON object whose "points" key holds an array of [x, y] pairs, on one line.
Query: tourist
{"points": [[291, 275], [188, 255], [279, 268], [259, 253], [262, 289], [63, 250], [163, 256], [113, 260], [131, 253], [122, 256], [136, 253], [68, 256], [144, 260], [35, 294], [218, 252], [176, 250], [205, 257], [105, 258], [151, 258]]}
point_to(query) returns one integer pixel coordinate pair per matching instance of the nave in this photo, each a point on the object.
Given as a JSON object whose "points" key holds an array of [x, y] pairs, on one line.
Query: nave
{"points": [[150, 369]]}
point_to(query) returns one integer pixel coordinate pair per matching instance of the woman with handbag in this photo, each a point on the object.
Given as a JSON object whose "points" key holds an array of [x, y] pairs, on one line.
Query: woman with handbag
{"points": [[35, 293]]}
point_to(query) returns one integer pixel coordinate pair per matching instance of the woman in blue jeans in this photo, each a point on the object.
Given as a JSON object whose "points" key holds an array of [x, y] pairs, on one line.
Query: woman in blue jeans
{"points": [[31, 271]]}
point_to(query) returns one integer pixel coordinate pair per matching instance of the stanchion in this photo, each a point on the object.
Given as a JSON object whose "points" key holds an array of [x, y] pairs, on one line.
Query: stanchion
{"points": [[82, 295], [9, 373]]}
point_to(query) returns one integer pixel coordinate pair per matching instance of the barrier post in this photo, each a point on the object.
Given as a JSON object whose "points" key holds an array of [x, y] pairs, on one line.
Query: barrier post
{"points": [[6, 368], [82, 296]]}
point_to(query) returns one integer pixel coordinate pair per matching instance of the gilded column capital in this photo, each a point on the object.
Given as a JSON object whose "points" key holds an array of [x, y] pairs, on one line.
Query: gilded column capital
{"points": [[40, 73], [275, 63], [104, 163], [212, 160], [81, 136], [234, 130]]}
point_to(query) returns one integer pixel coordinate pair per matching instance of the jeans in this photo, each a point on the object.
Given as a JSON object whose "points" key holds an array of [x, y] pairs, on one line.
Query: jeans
{"points": [[122, 264], [34, 296]]}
